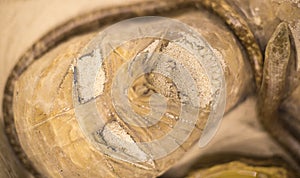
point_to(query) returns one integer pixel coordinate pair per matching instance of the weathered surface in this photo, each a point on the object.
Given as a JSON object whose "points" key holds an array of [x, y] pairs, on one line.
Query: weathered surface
{"points": [[263, 17], [263, 27], [44, 111], [20, 27]]}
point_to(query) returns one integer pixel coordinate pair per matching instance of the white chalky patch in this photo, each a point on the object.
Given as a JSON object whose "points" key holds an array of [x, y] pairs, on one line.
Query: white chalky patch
{"points": [[87, 66]]}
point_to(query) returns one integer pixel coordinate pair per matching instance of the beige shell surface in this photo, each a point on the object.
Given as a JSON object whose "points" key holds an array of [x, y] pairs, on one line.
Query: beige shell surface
{"points": [[47, 124], [234, 61], [53, 128], [20, 27], [48, 129]]}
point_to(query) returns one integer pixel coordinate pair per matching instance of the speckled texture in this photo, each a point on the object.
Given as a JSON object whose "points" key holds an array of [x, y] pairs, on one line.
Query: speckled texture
{"points": [[42, 123], [265, 27]]}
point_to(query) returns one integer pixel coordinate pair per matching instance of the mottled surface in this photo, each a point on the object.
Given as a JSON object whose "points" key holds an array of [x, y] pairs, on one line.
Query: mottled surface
{"points": [[20, 27], [48, 119], [51, 122], [18, 16]]}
